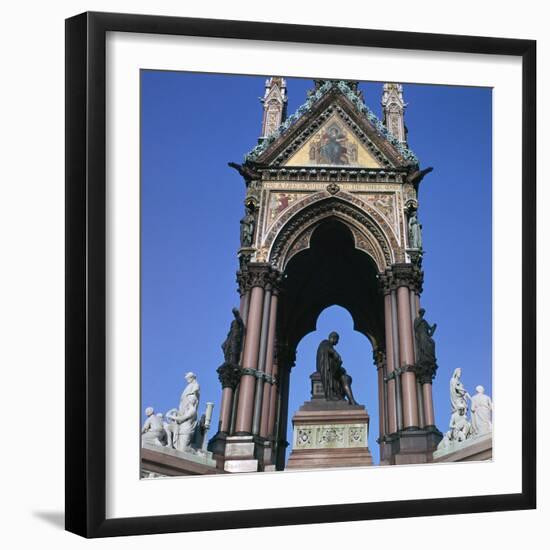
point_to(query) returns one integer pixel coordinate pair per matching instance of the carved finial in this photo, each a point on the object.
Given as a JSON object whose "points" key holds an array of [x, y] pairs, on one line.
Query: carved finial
{"points": [[275, 103], [393, 107]]}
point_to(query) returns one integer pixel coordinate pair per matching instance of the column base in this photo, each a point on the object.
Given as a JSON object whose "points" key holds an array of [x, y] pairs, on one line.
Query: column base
{"points": [[477, 448], [409, 446], [216, 446], [246, 453]]}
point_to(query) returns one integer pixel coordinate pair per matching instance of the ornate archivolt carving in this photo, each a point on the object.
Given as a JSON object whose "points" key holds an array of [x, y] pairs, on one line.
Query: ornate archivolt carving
{"points": [[371, 231], [363, 241], [366, 243], [301, 243]]}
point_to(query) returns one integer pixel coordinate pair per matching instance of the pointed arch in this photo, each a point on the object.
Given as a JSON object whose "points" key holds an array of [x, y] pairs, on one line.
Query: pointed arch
{"points": [[292, 233]]}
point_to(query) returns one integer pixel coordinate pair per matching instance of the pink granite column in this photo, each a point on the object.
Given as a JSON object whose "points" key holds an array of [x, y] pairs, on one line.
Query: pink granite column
{"points": [[429, 416], [225, 409], [381, 398], [267, 389], [427, 396], [390, 365], [419, 395], [406, 353], [228, 392], [273, 397], [426, 405], [245, 407]]}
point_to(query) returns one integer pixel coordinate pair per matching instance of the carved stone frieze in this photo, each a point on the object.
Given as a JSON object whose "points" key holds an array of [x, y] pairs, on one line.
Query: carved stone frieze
{"points": [[340, 175], [330, 436], [304, 437]]}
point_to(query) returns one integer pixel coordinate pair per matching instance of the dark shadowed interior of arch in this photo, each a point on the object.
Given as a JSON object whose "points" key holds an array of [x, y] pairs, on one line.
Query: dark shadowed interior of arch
{"points": [[331, 272]]}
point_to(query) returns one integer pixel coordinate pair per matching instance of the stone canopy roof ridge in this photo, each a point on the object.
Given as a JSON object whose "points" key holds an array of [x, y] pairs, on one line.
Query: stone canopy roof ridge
{"points": [[308, 105]]}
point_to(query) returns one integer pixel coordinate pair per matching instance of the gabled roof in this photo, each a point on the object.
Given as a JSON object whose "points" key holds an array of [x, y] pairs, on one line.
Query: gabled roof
{"points": [[361, 119]]}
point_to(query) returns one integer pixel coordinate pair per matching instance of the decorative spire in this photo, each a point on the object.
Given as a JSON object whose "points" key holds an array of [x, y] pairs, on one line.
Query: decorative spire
{"points": [[274, 102], [393, 107]]}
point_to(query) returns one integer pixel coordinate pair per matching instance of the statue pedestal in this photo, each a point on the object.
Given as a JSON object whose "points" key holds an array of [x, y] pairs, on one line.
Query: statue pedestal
{"points": [[329, 434], [477, 448], [158, 461]]}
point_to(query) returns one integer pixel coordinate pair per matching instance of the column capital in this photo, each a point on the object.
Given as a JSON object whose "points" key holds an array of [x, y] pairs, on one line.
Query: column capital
{"points": [[425, 373], [229, 375], [261, 275], [398, 275]]}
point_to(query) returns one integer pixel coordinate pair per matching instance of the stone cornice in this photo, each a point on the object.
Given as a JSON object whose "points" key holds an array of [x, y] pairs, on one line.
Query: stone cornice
{"points": [[344, 174]]}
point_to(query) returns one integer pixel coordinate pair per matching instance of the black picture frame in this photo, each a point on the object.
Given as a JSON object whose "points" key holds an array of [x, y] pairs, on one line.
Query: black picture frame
{"points": [[86, 273]]}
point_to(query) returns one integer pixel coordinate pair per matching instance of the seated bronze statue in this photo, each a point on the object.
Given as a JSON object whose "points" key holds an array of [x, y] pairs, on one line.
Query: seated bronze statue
{"points": [[334, 378]]}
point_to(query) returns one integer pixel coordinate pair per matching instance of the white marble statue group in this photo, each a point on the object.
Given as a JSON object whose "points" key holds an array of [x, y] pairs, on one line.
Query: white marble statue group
{"points": [[182, 430], [481, 408]]}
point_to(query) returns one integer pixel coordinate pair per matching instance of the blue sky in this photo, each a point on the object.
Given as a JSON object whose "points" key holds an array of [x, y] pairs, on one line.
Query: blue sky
{"points": [[192, 124]]}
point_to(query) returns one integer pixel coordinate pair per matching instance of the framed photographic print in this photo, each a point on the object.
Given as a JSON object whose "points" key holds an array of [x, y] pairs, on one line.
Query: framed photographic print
{"points": [[300, 274]]}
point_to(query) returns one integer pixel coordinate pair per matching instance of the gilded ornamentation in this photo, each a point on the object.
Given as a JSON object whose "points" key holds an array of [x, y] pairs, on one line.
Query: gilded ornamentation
{"points": [[295, 123], [384, 203], [331, 145], [261, 254]]}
